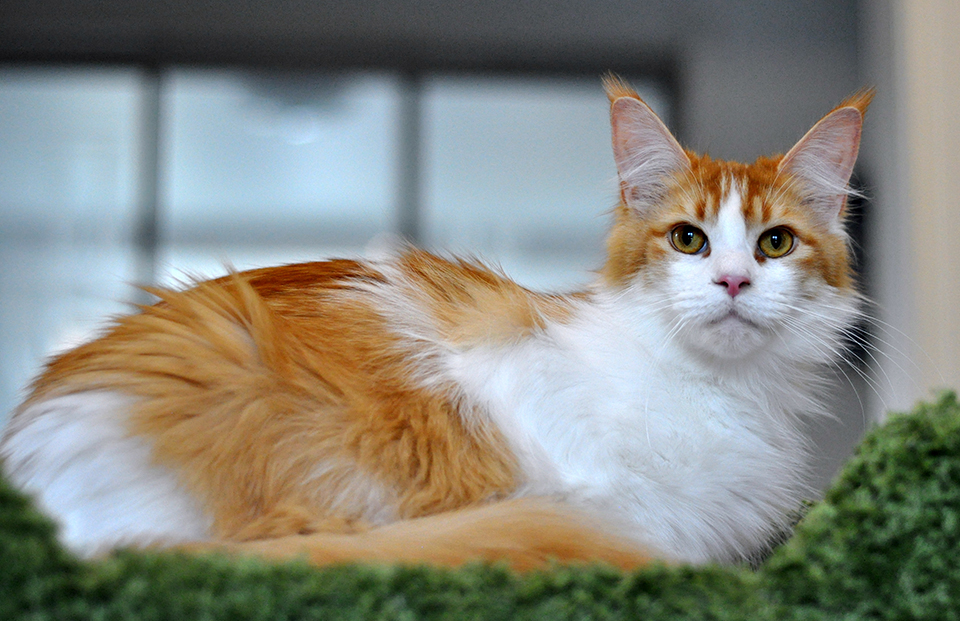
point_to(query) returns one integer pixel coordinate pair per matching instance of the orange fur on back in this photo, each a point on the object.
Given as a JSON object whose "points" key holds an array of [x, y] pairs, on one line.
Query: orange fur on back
{"points": [[247, 383]]}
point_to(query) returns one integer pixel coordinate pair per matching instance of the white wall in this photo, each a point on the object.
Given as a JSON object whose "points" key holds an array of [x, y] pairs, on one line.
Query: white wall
{"points": [[911, 51]]}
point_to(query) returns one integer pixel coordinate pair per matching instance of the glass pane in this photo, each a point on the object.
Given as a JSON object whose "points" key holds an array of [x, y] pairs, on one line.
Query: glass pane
{"points": [[68, 174], [264, 168], [520, 172]]}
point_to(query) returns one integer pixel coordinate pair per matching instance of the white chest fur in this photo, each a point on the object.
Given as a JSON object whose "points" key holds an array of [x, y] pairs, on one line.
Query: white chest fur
{"points": [[699, 464]]}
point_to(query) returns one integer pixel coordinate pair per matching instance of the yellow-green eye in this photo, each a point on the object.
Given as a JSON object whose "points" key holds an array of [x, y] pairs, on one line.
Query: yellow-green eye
{"points": [[688, 239], [776, 242]]}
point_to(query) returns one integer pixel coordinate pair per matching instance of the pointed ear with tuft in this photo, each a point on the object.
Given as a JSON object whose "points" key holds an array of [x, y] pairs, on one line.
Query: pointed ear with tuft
{"points": [[823, 160], [645, 151]]}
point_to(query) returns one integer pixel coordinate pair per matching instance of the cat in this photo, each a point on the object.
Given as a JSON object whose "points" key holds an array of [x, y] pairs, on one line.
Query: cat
{"points": [[414, 408]]}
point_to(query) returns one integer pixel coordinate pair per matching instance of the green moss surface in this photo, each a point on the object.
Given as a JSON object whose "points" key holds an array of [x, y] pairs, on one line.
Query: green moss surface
{"points": [[883, 544]]}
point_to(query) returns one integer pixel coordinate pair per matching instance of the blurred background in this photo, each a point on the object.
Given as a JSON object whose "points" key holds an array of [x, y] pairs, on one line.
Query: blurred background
{"points": [[149, 143]]}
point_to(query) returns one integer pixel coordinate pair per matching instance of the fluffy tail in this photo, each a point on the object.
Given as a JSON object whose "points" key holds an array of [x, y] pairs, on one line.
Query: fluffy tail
{"points": [[525, 533]]}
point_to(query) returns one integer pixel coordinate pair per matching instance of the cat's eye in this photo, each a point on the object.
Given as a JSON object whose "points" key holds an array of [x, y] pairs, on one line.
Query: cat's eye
{"points": [[688, 239], [776, 242]]}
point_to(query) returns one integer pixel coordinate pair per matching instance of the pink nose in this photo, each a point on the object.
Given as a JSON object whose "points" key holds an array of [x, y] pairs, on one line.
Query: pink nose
{"points": [[734, 283]]}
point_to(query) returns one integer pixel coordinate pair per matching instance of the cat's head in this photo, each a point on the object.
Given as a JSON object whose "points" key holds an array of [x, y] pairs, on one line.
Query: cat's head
{"points": [[736, 257]]}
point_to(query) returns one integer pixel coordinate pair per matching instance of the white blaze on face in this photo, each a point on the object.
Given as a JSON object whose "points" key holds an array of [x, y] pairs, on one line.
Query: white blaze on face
{"points": [[731, 252]]}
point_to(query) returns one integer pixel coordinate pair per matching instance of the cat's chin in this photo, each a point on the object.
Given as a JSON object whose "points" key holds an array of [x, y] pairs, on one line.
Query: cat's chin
{"points": [[729, 337]]}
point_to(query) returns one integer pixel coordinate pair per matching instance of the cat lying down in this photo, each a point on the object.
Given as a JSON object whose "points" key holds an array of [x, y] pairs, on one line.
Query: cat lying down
{"points": [[421, 409]]}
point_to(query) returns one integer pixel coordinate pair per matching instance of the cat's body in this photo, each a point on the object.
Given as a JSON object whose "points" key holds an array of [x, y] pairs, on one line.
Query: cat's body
{"points": [[422, 409]]}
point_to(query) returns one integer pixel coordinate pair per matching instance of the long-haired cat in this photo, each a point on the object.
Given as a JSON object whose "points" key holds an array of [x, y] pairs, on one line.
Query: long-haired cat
{"points": [[420, 409]]}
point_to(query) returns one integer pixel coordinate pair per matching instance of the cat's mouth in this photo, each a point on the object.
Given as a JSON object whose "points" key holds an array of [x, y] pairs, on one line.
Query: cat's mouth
{"points": [[731, 317]]}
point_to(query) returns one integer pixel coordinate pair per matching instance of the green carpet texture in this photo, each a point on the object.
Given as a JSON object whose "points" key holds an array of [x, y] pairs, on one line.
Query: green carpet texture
{"points": [[883, 544]]}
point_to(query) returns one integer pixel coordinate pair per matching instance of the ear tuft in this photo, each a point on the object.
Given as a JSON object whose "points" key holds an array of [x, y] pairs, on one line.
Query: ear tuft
{"points": [[616, 87], [645, 151], [822, 161]]}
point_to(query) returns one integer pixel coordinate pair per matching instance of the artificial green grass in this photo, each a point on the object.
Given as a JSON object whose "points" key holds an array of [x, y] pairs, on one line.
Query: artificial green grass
{"points": [[883, 544]]}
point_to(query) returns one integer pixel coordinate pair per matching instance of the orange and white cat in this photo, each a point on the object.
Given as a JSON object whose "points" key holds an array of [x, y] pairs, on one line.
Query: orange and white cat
{"points": [[418, 409]]}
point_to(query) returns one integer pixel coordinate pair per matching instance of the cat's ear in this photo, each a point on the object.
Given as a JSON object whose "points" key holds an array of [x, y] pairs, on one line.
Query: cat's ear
{"points": [[823, 160], [645, 151]]}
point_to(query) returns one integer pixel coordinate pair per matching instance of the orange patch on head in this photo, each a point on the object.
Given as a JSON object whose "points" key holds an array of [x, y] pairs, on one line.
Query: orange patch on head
{"points": [[638, 245], [688, 188], [822, 253]]}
